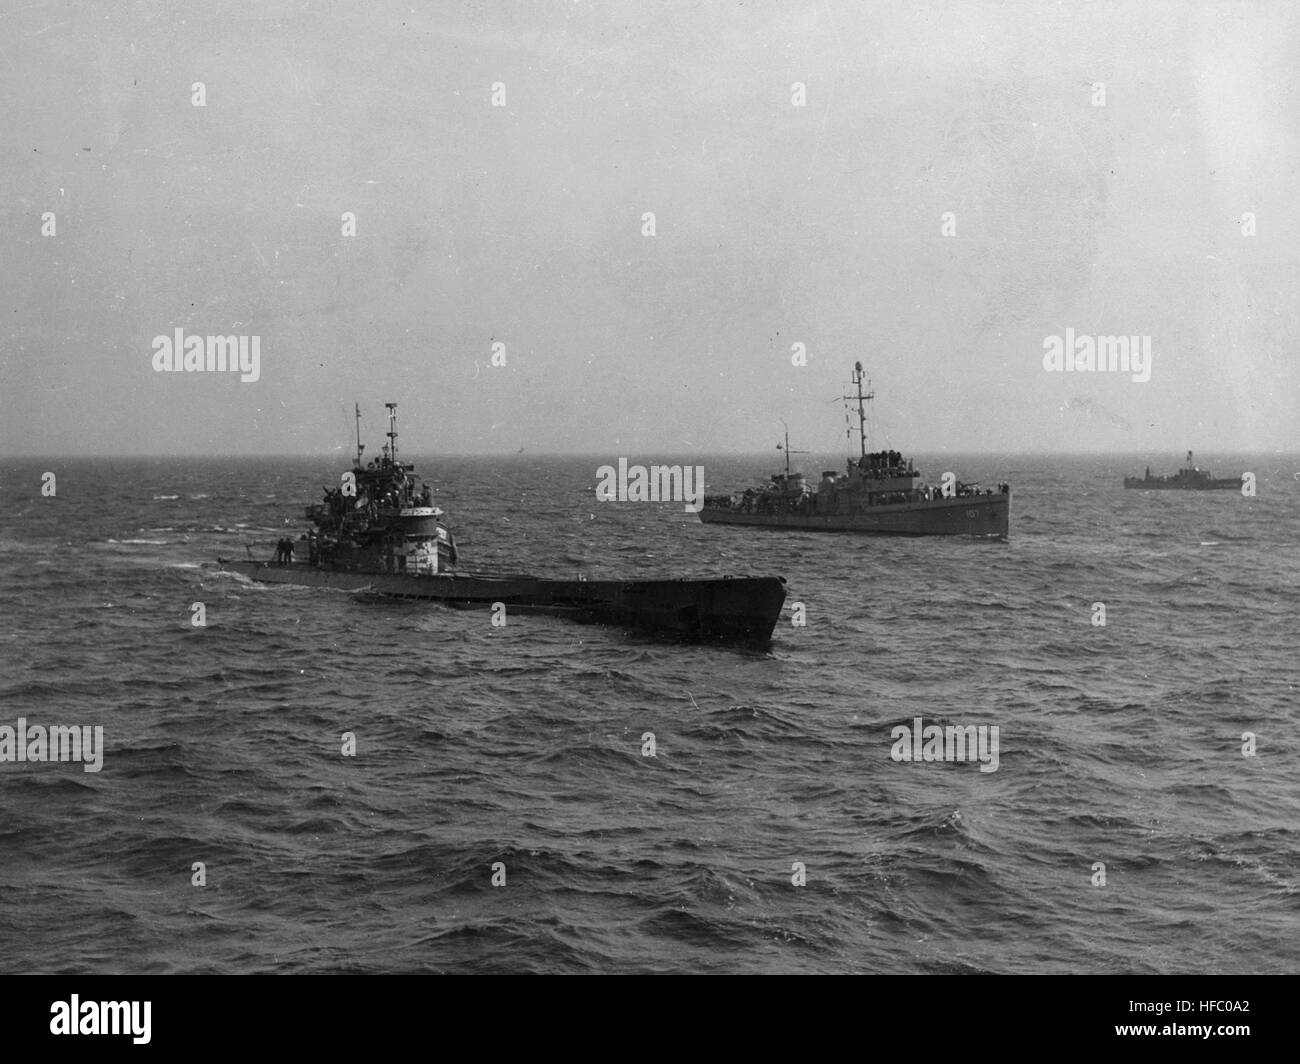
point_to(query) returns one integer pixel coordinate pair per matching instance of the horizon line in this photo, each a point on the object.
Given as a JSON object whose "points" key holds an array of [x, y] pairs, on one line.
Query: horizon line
{"points": [[627, 453]]}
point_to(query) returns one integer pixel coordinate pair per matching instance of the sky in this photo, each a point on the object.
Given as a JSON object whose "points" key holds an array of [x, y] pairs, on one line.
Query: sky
{"points": [[934, 189]]}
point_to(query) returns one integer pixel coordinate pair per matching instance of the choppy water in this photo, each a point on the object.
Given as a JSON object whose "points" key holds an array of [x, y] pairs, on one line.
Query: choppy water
{"points": [[522, 745]]}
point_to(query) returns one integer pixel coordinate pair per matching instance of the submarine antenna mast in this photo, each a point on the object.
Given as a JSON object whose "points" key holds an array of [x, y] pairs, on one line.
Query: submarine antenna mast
{"points": [[360, 445]]}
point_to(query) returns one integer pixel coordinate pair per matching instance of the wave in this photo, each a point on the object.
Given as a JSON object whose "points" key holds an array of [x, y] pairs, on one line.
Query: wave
{"points": [[1226, 536]]}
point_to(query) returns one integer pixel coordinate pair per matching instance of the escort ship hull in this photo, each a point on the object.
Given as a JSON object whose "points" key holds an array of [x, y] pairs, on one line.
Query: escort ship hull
{"points": [[1189, 478], [743, 609], [975, 515], [1181, 484]]}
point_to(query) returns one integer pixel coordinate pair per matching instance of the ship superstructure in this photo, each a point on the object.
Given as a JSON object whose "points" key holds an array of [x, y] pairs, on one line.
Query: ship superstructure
{"points": [[381, 518]]}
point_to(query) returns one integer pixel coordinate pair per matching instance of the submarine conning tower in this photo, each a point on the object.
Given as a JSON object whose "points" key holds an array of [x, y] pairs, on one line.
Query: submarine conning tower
{"points": [[405, 512], [390, 521]]}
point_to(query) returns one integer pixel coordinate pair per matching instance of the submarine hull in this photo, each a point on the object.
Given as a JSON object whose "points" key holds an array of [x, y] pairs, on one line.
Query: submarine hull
{"points": [[987, 516], [740, 609]]}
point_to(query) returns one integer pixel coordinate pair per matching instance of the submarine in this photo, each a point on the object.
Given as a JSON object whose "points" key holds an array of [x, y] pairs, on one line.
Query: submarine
{"points": [[380, 531]]}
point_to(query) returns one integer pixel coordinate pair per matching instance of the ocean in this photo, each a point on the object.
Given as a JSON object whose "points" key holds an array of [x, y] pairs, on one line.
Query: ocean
{"points": [[500, 812]]}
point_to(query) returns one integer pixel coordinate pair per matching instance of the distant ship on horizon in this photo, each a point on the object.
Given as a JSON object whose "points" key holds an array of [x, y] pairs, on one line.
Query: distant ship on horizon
{"points": [[1189, 478]]}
